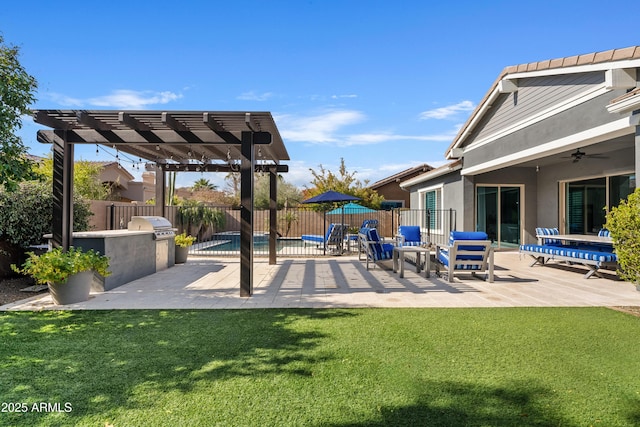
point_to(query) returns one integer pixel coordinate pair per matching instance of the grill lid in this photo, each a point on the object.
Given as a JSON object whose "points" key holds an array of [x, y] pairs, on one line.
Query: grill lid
{"points": [[160, 226], [149, 223]]}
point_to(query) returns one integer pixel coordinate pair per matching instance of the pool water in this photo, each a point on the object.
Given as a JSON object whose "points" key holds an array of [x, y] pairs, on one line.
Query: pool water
{"points": [[230, 241]]}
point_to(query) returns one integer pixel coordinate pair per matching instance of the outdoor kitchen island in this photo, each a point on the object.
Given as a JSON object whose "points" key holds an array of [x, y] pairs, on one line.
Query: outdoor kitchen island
{"points": [[146, 247]]}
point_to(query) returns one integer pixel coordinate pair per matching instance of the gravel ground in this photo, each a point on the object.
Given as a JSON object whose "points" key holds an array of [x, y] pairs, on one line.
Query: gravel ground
{"points": [[10, 289]]}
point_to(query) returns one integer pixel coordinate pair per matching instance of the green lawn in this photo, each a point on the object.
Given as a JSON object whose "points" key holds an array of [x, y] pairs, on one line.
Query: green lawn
{"points": [[356, 367]]}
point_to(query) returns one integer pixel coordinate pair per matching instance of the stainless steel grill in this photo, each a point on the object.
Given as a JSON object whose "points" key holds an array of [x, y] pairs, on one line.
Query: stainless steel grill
{"points": [[161, 227]]}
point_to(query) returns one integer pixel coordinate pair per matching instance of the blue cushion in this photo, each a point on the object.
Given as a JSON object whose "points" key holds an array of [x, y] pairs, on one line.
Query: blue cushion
{"points": [[443, 257], [468, 235], [318, 238], [411, 233], [545, 231], [329, 230], [372, 234], [379, 250], [604, 233], [369, 223]]}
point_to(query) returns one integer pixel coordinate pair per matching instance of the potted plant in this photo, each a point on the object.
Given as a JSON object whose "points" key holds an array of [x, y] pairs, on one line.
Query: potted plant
{"points": [[183, 241], [68, 274], [623, 223]]}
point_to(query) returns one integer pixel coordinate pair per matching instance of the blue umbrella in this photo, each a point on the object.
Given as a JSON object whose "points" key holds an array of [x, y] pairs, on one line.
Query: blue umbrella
{"points": [[331, 196]]}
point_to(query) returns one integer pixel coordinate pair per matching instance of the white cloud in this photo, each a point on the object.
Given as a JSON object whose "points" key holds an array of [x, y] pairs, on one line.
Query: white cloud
{"points": [[327, 128], [448, 111], [134, 100], [252, 96], [319, 129], [122, 98], [377, 138], [65, 100], [344, 96]]}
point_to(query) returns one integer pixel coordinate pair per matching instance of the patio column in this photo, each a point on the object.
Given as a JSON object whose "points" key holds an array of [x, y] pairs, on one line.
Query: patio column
{"points": [[273, 212], [247, 165], [161, 197], [62, 191]]}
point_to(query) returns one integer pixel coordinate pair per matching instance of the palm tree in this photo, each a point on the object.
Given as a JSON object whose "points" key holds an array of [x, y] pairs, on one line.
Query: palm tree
{"points": [[203, 184]]}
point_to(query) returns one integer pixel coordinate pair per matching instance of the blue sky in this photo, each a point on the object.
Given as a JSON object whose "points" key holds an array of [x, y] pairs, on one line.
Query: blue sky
{"points": [[383, 84]]}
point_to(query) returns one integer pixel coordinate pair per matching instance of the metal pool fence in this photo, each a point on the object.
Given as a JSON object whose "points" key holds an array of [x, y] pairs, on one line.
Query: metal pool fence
{"points": [[222, 238]]}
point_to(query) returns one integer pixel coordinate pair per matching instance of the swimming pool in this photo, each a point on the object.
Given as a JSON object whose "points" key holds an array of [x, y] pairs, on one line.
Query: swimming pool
{"points": [[229, 242]]}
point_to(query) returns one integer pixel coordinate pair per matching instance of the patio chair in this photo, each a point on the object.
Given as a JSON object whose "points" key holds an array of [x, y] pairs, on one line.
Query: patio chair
{"points": [[410, 235], [375, 250], [468, 251], [333, 237]]}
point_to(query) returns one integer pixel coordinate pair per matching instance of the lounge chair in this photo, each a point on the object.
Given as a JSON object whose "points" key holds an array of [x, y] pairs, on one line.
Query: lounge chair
{"points": [[410, 235], [468, 251], [333, 237], [374, 248]]}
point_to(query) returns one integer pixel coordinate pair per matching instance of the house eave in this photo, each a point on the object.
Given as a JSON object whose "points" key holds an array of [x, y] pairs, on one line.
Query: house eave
{"points": [[434, 173], [625, 105]]}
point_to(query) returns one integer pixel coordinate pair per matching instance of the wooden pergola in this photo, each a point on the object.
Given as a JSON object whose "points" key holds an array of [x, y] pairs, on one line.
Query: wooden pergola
{"points": [[180, 141]]}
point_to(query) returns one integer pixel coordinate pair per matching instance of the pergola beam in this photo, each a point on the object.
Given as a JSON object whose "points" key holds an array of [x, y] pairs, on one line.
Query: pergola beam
{"points": [[218, 167], [176, 141]]}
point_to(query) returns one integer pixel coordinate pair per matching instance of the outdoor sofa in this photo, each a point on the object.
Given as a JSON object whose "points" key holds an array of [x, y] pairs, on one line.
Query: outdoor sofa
{"points": [[592, 255]]}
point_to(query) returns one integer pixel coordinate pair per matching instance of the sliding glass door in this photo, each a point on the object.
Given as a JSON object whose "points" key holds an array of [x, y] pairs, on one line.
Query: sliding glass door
{"points": [[587, 201], [499, 214]]}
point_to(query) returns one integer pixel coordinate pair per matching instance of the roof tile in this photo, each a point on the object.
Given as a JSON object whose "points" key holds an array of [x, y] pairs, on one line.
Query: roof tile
{"points": [[570, 61], [603, 56], [626, 53], [586, 59]]}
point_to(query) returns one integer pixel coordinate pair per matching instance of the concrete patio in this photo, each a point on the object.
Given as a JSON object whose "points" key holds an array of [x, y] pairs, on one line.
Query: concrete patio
{"points": [[208, 283]]}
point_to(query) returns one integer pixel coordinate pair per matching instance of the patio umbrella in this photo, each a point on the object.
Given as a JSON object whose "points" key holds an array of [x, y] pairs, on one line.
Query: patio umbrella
{"points": [[331, 197], [351, 208]]}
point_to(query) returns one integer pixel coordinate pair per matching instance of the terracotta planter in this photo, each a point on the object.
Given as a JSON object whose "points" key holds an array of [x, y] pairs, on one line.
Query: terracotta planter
{"points": [[75, 289], [181, 254]]}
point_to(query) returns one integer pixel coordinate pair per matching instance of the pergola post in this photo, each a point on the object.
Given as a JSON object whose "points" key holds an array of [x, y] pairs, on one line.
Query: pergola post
{"points": [[247, 164], [62, 191], [273, 212], [161, 196]]}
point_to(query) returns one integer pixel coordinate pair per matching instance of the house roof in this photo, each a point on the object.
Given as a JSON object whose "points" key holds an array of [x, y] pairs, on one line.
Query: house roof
{"points": [[569, 64], [433, 173], [400, 176]]}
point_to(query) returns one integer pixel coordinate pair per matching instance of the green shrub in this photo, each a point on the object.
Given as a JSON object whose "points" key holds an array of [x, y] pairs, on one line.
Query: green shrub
{"points": [[623, 222], [57, 265], [27, 214], [184, 241], [197, 217]]}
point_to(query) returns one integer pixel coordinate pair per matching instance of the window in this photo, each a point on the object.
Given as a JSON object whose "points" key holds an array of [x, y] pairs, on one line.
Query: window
{"points": [[587, 201], [431, 204]]}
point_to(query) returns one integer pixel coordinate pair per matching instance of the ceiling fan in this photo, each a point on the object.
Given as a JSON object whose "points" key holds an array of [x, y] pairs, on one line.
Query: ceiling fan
{"points": [[579, 155]]}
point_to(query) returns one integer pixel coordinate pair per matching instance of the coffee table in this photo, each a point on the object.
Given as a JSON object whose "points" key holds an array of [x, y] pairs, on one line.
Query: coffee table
{"points": [[400, 252]]}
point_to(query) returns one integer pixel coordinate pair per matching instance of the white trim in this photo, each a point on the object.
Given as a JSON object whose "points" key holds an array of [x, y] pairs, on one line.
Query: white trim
{"points": [[477, 115], [604, 66], [591, 93], [588, 137], [439, 190], [625, 105], [434, 173]]}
